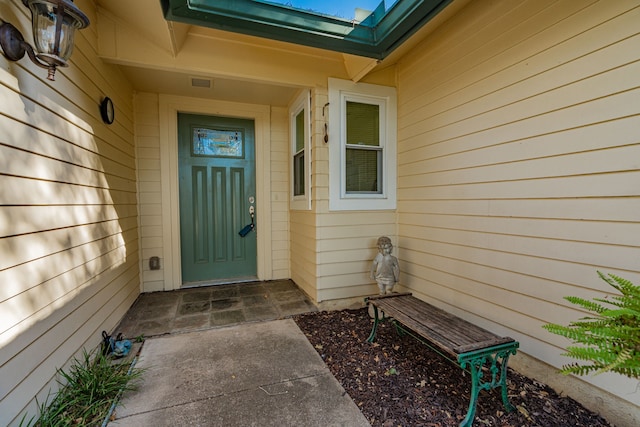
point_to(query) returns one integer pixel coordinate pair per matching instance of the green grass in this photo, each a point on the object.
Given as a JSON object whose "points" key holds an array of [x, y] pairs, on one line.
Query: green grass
{"points": [[88, 389]]}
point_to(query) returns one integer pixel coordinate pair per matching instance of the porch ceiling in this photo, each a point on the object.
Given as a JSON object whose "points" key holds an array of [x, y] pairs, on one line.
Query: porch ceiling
{"points": [[178, 83]]}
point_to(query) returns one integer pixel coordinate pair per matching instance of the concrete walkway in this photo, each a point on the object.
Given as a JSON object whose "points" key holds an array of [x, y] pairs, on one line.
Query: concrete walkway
{"points": [[251, 374]]}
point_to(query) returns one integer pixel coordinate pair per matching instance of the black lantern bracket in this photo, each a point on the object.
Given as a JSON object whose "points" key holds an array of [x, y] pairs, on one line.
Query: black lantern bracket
{"points": [[14, 48], [61, 17]]}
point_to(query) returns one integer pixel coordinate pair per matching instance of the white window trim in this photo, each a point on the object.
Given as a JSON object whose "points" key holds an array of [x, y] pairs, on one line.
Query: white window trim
{"points": [[303, 101], [339, 92]]}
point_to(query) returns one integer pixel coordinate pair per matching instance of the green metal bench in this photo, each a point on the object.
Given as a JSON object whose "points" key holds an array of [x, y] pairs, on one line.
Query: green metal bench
{"points": [[476, 350]]}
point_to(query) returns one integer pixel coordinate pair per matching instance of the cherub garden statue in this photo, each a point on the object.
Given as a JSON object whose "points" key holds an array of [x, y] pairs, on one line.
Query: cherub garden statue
{"points": [[385, 269]]}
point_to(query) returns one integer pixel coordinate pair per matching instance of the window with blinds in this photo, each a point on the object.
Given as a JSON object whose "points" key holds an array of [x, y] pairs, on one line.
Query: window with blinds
{"points": [[300, 152], [362, 146], [363, 152], [298, 156]]}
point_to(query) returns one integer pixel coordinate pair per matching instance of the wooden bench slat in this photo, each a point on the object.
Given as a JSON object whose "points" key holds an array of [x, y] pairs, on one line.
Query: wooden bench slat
{"points": [[393, 295], [483, 344], [409, 319], [448, 332], [438, 319], [440, 341], [460, 331]]}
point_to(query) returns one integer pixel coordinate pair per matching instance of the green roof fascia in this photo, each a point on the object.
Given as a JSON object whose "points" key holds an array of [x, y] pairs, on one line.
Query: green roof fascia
{"points": [[271, 21], [402, 21], [375, 37]]}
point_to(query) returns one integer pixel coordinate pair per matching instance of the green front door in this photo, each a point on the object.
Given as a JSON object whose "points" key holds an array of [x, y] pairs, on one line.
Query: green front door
{"points": [[217, 196]]}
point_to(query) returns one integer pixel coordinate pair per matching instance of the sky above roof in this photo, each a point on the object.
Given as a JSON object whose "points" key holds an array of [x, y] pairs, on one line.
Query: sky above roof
{"points": [[340, 8]]}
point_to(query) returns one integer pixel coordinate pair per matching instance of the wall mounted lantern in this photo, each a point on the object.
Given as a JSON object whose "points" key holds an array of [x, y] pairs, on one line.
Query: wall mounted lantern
{"points": [[54, 24]]}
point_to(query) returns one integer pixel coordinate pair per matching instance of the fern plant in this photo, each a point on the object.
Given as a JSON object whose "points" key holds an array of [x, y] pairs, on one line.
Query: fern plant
{"points": [[609, 339]]}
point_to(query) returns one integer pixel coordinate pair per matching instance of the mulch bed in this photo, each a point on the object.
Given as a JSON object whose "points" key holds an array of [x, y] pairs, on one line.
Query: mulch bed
{"points": [[397, 381]]}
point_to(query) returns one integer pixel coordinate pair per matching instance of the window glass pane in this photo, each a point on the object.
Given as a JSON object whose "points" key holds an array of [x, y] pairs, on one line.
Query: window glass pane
{"points": [[363, 124], [300, 131], [300, 154], [363, 171], [298, 174]]}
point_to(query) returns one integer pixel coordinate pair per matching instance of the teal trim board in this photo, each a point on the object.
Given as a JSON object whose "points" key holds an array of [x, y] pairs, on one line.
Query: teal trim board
{"points": [[374, 37]]}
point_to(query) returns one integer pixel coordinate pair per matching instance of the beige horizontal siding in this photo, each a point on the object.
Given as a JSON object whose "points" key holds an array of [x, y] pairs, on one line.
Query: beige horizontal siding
{"points": [[280, 194], [149, 189], [346, 249], [331, 252], [519, 163], [68, 214], [303, 230], [626, 208], [303, 251]]}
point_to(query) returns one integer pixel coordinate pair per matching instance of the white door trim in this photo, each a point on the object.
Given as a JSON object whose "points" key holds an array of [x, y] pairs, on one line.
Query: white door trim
{"points": [[169, 107]]}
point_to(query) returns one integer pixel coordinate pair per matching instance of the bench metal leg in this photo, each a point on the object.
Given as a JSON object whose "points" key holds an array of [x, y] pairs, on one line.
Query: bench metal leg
{"points": [[399, 329], [490, 357], [376, 320]]}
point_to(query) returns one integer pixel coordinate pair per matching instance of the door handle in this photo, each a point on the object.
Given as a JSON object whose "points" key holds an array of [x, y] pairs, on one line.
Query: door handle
{"points": [[249, 227]]}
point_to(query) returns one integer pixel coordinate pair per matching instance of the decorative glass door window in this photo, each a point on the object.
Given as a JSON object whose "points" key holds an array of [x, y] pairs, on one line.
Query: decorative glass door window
{"points": [[218, 143]]}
